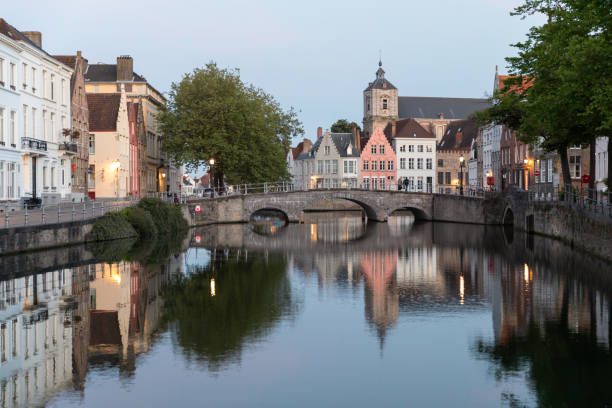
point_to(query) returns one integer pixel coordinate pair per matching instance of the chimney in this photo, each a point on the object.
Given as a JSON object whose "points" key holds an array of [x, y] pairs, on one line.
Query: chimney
{"points": [[319, 132], [393, 129], [458, 139], [357, 138], [125, 68], [306, 145], [34, 36]]}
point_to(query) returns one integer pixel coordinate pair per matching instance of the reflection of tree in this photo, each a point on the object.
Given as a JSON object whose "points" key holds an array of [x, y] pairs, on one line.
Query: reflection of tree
{"points": [[566, 369], [250, 297]]}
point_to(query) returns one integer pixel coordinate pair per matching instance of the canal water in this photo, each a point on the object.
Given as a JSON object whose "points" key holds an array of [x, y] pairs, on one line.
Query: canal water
{"points": [[332, 312]]}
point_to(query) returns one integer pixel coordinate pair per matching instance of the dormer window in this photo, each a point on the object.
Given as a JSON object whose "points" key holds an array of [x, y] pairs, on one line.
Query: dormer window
{"points": [[327, 150], [384, 104]]}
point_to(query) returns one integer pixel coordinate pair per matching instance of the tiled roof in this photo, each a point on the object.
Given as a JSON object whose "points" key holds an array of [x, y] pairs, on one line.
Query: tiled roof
{"points": [[408, 128], [68, 60], [296, 151], [106, 73], [16, 35], [103, 111], [431, 108], [342, 142], [526, 83], [459, 135], [380, 82]]}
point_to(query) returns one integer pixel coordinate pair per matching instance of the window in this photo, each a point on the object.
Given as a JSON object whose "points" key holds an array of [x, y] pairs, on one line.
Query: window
{"points": [[420, 148], [368, 103], [550, 170], [429, 164], [25, 74], [374, 183], [440, 163], [25, 120], [2, 180], [44, 125], [420, 183], [429, 148], [1, 72], [390, 165], [44, 84], [402, 148], [13, 128], [373, 149], [349, 166], [34, 123], [381, 165], [448, 178], [327, 167], [374, 165], [53, 131], [327, 150], [33, 79], [92, 144], [366, 183], [411, 182], [12, 74], [384, 103], [419, 163], [63, 96], [382, 183], [411, 163], [440, 177], [382, 149], [366, 165], [402, 163], [334, 166], [2, 141], [574, 162]]}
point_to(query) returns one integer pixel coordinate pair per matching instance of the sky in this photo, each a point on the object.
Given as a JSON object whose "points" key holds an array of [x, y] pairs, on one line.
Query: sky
{"points": [[316, 56]]}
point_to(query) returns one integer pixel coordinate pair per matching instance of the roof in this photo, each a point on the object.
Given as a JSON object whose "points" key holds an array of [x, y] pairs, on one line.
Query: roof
{"points": [[106, 73], [408, 128], [380, 82], [296, 151], [459, 135], [342, 142], [68, 60], [16, 35], [431, 107], [103, 111], [526, 83]]}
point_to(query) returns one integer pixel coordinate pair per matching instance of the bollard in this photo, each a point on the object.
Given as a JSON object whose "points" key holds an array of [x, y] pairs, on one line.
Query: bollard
{"points": [[73, 212], [25, 218], [6, 219], [43, 215], [59, 210]]}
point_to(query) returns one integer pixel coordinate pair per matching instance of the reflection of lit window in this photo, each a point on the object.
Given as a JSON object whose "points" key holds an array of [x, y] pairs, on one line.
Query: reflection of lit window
{"points": [[313, 232], [461, 289]]}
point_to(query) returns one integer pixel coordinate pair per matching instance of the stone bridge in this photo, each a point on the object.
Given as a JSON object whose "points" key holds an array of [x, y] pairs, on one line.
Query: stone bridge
{"points": [[377, 205]]}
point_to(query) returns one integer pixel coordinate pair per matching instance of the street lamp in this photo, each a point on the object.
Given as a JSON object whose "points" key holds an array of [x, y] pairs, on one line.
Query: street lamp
{"points": [[461, 165], [211, 162]]}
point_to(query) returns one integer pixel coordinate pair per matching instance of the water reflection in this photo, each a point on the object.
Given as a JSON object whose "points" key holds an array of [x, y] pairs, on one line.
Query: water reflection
{"points": [[517, 322]]}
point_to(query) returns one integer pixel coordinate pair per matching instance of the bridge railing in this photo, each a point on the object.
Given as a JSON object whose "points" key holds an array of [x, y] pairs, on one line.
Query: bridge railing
{"points": [[594, 201], [283, 186]]}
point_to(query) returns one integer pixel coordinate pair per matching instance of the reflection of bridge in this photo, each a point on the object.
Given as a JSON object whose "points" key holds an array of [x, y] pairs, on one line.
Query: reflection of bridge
{"points": [[378, 205]]}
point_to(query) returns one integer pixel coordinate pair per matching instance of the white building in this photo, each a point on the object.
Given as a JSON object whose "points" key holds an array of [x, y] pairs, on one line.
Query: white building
{"points": [[473, 166], [34, 108], [601, 163], [491, 150], [415, 150]]}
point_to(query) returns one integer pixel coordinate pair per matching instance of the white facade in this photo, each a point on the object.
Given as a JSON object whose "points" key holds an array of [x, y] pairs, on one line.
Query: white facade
{"points": [[473, 166], [416, 162], [491, 148], [601, 163], [34, 108]]}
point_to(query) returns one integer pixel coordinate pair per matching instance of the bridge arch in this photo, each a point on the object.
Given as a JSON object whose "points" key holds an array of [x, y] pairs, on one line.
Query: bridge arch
{"points": [[419, 213], [263, 210], [508, 218]]}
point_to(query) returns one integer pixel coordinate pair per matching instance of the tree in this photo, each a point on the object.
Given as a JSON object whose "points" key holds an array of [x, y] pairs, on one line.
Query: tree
{"points": [[343, 126], [568, 62], [211, 113]]}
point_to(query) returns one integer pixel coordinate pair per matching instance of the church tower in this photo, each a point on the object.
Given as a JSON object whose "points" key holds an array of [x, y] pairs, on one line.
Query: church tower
{"points": [[379, 103]]}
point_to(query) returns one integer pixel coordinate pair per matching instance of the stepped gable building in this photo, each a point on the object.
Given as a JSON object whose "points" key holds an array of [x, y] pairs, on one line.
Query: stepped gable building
{"points": [[457, 142], [76, 148], [383, 106]]}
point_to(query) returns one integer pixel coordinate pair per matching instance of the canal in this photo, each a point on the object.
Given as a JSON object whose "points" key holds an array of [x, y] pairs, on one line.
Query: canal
{"points": [[332, 312]]}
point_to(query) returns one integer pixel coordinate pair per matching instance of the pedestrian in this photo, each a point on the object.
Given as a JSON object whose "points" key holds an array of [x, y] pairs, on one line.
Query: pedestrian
{"points": [[405, 184]]}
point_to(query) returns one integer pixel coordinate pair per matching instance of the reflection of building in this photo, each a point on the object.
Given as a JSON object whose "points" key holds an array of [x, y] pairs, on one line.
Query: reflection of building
{"points": [[381, 295], [35, 337], [331, 228]]}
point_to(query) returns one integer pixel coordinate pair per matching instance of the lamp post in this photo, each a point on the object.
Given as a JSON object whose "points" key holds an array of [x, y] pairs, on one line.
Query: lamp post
{"points": [[211, 163], [526, 181], [461, 165]]}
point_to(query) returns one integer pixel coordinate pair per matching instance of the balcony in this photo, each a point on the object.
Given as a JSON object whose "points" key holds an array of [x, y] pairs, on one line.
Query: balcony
{"points": [[33, 144], [68, 147]]}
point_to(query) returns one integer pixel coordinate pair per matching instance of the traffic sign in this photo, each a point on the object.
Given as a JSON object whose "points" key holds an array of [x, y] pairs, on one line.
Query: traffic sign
{"points": [[198, 239], [198, 209], [536, 173], [586, 179]]}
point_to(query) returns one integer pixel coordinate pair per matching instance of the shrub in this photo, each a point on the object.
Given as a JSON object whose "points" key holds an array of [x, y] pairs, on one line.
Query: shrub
{"points": [[112, 226], [141, 220], [167, 218]]}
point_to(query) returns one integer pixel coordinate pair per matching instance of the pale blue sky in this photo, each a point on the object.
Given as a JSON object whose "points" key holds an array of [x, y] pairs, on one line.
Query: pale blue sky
{"points": [[317, 56]]}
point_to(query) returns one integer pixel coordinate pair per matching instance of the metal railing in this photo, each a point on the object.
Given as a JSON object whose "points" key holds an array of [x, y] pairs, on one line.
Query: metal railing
{"points": [[58, 213], [598, 202]]}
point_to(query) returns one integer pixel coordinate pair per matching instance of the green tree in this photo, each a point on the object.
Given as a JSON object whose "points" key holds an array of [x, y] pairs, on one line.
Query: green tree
{"points": [[344, 126], [568, 63], [211, 113]]}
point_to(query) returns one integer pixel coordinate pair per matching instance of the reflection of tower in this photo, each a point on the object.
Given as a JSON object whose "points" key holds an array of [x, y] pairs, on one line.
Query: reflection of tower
{"points": [[381, 295]]}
